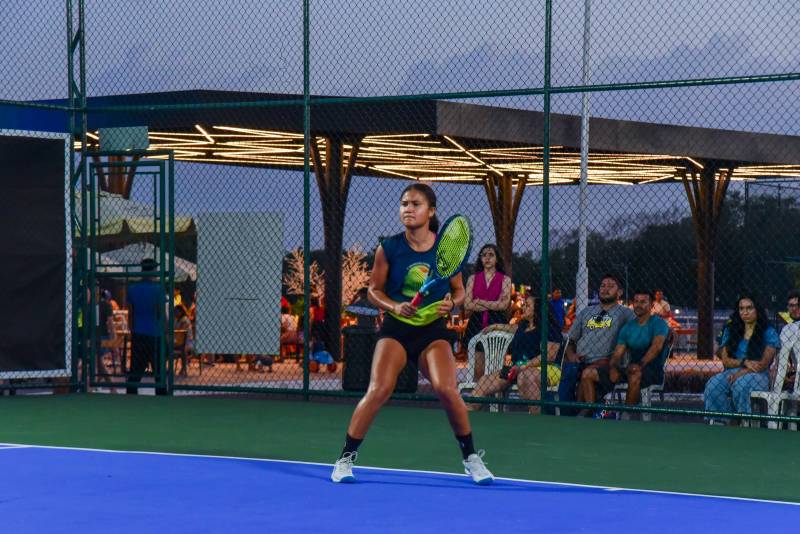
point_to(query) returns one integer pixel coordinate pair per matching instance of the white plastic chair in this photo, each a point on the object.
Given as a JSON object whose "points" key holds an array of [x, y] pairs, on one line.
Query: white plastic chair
{"points": [[495, 346], [779, 401]]}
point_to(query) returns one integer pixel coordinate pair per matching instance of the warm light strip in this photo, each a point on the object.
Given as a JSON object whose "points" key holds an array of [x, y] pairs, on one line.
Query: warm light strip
{"points": [[473, 156], [661, 179], [205, 133], [259, 133], [380, 168], [395, 136]]}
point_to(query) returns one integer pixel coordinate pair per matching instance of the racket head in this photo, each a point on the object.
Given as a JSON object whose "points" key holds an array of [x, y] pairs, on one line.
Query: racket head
{"points": [[453, 246]]}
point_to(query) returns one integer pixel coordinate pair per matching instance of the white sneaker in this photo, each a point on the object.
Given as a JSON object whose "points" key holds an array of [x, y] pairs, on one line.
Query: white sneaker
{"points": [[474, 467], [343, 468]]}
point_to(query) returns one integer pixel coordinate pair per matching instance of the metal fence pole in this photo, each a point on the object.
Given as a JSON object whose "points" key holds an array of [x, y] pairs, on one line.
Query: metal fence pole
{"points": [[306, 198], [545, 260]]}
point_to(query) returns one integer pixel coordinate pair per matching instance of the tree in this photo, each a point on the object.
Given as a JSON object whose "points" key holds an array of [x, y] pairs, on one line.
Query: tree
{"points": [[355, 273], [294, 279]]}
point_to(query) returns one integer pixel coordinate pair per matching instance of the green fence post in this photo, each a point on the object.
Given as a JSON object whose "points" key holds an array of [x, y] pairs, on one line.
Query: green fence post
{"points": [[306, 198], [545, 259]]}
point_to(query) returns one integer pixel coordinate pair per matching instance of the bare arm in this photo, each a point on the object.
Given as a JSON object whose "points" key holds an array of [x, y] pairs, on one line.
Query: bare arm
{"points": [[552, 354], [377, 282], [505, 298], [727, 361], [764, 362], [616, 357], [469, 303], [570, 355], [654, 350]]}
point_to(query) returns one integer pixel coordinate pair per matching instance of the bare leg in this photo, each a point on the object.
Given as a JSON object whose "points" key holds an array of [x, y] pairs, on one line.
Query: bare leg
{"points": [[488, 385], [438, 364], [589, 378], [389, 360], [480, 365], [529, 383], [634, 387]]}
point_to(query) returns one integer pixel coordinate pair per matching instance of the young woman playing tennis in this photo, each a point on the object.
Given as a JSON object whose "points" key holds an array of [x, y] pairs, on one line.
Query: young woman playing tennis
{"points": [[417, 335]]}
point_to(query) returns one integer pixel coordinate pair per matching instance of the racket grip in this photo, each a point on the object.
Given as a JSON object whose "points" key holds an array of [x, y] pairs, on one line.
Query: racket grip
{"points": [[417, 300]]}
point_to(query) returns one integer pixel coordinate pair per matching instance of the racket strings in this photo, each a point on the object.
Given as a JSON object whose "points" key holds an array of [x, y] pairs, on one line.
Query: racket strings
{"points": [[453, 247]]}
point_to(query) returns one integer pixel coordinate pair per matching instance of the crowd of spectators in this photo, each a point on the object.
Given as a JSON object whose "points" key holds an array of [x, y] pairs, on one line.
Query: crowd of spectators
{"points": [[611, 345]]}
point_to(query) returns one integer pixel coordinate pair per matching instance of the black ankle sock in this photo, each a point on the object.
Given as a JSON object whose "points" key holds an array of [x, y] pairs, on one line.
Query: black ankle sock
{"points": [[351, 445], [465, 442]]}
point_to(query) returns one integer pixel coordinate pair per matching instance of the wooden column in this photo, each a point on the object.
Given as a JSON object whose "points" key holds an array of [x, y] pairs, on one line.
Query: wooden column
{"points": [[504, 204], [333, 171], [116, 180], [706, 189]]}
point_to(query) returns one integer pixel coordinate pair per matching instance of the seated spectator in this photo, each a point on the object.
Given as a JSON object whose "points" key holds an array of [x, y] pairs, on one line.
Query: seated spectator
{"points": [[747, 347], [645, 341], [290, 334], [106, 295], [593, 337], [488, 295], [523, 363], [661, 306], [790, 336], [106, 335]]}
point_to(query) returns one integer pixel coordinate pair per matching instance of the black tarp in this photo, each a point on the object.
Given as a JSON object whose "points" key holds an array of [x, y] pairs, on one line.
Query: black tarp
{"points": [[32, 254]]}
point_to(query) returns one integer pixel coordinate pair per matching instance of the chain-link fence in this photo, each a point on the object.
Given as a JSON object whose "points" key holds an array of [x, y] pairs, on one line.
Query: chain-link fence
{"points": [[634, 164]]}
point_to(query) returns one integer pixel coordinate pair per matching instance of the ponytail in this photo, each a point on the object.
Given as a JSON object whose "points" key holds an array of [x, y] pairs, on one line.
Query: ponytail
{"points": [[433, 224]]}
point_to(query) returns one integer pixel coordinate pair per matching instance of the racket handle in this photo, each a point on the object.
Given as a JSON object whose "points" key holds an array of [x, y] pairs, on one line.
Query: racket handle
{"points": [[417, 300]]}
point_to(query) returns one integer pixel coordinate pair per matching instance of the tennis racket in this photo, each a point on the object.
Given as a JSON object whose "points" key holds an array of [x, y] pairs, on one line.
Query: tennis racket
{"points": [[453, 245]]}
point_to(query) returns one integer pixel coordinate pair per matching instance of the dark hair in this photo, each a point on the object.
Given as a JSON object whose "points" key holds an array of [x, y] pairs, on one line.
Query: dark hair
{"points": [[537, 314], [179, 309], [640, 291], [613, 277], [479, 263], [430, 196], [736, 330], [793, 294], [149, 264], [284, 309]]}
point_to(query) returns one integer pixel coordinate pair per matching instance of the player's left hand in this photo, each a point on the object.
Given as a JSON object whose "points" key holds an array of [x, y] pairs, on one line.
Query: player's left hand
{"points": [[446, 306]]}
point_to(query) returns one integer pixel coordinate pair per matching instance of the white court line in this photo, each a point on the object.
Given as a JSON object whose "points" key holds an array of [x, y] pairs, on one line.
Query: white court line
{"points": [[391, 469]]}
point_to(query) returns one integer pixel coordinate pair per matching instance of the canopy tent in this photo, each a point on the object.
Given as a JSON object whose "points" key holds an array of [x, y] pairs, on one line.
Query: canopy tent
{"points": [[122, 221], [130, 257]]}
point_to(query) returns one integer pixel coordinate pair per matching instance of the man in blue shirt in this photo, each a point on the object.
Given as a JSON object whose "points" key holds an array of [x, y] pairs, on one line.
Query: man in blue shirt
{"points": [[645, 342], [145, 304]]}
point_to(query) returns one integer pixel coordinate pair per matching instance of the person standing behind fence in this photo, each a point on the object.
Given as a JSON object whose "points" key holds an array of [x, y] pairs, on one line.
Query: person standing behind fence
{"points": [[488, 296], [747, 347], [593, 336], [145, 298]]}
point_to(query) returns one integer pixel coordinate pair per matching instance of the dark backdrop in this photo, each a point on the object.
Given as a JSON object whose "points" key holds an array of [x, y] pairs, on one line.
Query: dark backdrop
{"points": [[32, 254]]}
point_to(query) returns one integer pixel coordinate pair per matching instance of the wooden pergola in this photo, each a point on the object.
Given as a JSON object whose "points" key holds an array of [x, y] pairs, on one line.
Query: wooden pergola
{"points": [[499, 149]]}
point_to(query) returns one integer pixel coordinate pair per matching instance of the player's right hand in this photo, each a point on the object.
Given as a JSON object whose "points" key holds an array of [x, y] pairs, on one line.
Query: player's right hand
{"points": [[405, 309]]}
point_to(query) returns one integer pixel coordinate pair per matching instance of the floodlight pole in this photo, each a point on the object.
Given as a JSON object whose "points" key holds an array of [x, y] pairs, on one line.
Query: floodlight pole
{"points": [[582, 276]]}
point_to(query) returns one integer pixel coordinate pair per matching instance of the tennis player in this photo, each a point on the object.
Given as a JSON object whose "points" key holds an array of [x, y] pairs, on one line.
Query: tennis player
{"points": [[417, 335]]}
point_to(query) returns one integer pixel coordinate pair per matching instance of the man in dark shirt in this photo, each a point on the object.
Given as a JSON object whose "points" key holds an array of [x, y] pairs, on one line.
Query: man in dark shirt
{"points": [[145, 305]]}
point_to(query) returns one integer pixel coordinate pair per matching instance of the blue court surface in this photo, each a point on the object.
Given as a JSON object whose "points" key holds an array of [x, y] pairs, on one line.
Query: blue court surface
{"points": [[77, 490]]}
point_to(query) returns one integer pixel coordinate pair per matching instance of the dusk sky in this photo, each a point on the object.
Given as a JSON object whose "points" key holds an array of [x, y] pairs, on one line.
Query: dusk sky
{"points": [[387, 47]]}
